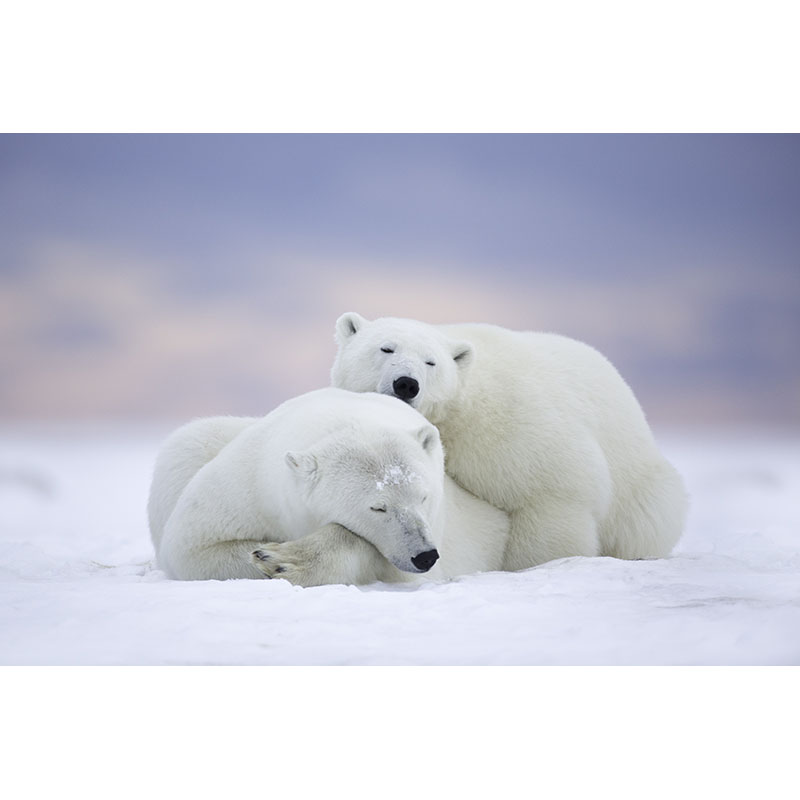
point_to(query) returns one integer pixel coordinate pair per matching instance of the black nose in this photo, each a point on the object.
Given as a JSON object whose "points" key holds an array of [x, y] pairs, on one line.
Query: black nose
{"points": [[424, 561], [406, 388]]}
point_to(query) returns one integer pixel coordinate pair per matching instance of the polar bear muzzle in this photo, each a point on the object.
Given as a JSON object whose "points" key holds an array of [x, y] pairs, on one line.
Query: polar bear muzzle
{"points": [[405, 388], [424, 561]]}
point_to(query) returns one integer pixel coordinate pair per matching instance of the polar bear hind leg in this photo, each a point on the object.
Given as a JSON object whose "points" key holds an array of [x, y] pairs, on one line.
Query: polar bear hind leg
{"points": [[181, 457], [647, 521]]}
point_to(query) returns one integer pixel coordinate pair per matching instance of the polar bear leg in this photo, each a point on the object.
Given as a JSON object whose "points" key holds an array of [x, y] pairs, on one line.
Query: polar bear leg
{"points": [[555, 530], [648, 519], [331, 554], [181, 457], [185, 560]]}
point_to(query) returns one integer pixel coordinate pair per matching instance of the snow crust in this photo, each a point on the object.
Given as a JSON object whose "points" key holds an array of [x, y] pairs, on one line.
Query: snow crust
{"points": [[78, 586]]}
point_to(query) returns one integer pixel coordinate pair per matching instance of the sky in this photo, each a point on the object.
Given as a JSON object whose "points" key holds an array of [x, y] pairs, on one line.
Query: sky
{"points": [[166, 277]]}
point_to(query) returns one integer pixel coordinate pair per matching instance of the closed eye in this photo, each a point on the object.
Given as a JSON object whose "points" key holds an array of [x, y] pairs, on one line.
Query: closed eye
{"points": [[387, 350], [380, 509], [431, 363]]}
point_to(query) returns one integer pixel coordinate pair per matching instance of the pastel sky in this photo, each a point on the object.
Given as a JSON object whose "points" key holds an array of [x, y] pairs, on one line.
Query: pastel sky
{"points": [[173, 276]]}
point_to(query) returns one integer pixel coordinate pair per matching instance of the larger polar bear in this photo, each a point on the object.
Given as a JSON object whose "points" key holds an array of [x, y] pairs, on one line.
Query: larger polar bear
{"points": [[539, 425], [330, 487]]}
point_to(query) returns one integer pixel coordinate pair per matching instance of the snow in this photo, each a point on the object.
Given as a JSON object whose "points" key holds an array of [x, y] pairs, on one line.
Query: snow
{"points": [[78, 586], [396, 475]]}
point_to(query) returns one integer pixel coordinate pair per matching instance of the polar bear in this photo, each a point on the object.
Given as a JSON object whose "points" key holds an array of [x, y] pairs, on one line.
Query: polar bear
{"points": [[330, 487], [538, 425]]}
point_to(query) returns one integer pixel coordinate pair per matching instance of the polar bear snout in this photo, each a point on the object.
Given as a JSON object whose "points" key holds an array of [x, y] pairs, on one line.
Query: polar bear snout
{"points": [[424, 561], [406, 388]]}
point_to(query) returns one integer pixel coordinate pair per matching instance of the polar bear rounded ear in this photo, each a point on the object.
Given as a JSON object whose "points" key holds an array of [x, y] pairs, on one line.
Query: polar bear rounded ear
{"points": [[463, 353], [348, 325], [428, 436], [303, 464]]}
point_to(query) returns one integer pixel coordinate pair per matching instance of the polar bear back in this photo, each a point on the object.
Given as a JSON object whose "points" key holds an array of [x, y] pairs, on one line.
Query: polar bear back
{"points": [[535, 408], [553, 417], [550, 374]]}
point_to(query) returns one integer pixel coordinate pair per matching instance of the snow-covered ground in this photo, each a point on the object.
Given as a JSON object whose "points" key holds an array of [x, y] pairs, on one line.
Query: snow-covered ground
{"points": [[77, 585]]}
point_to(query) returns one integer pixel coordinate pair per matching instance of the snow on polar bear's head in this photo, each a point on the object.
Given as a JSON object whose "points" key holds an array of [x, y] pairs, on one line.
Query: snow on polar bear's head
{"points": [[383, 483], [403, 358]]}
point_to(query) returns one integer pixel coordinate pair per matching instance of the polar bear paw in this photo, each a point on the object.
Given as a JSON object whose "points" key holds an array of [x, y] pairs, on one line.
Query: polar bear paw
{"points": [[280, 561]]}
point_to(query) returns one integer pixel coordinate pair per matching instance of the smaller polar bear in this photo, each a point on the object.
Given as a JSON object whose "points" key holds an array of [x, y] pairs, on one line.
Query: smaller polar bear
{"points": [[331, 487], [538, 425]]}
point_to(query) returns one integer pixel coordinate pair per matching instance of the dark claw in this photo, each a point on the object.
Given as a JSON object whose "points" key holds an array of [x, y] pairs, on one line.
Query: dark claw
{"points": [[261, 555]]}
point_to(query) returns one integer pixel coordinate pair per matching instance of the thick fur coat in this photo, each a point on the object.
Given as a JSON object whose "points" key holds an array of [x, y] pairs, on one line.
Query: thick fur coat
{"points": [[331, 487], [538, 425]]}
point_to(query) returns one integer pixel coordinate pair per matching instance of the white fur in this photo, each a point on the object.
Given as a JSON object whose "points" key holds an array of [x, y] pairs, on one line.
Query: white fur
{"points": [[539, 425], [331, 487]]}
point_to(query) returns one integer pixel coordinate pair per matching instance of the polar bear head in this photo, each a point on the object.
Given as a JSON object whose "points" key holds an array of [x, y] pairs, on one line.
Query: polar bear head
{"points": [[384, 484], [400, 357]]}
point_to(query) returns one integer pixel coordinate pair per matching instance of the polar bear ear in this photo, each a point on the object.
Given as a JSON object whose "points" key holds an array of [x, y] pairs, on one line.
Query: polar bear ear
{"points": [[303, 464], [427, 436], [463, 353], [348, 325]]}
